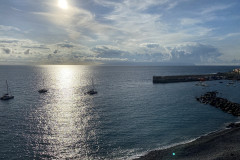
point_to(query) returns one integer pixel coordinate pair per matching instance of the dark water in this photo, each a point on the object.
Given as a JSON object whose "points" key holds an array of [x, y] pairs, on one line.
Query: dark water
{"points": [[129, 116]]}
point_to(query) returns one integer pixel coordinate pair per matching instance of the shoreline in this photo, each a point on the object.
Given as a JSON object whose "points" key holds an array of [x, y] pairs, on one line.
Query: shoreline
{"points": [[221, 145]]}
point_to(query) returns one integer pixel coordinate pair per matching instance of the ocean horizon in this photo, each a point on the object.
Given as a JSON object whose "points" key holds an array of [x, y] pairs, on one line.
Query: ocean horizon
{"points": [[128, 117]]}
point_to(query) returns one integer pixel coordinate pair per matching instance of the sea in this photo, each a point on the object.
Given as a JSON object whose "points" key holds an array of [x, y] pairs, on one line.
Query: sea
{"points": [[127, 118]]}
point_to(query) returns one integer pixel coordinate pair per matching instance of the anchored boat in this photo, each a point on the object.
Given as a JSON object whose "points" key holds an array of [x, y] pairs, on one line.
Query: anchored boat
{"points": [[44, 90], [92, 91], [7, 95]]}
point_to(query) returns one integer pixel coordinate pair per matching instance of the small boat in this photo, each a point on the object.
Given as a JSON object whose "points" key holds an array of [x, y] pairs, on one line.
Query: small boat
{"points": [[92, 91], [44, 90], [197, 84], [201, 84], [231, 83], [7, 95], [204, 85]]}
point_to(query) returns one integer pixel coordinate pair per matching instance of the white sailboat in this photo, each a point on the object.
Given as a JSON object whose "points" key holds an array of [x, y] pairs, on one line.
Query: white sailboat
{"points": [[7, 95]]}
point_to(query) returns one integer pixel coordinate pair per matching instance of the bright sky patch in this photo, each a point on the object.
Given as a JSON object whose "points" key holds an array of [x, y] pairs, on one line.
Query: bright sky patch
{"points": [[63, 4]]}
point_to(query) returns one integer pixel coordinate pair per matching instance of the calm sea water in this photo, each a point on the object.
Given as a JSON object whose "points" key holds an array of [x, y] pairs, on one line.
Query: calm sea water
{"points": [[128, 117]]}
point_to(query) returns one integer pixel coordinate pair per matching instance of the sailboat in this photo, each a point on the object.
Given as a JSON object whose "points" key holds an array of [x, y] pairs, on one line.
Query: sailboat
{"points": [[44, 90], [7, 95], [92, 91]]}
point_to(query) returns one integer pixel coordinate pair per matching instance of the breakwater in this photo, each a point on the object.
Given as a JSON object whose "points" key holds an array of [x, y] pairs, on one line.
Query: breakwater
{"points": [[200, 77], [221, 103]]}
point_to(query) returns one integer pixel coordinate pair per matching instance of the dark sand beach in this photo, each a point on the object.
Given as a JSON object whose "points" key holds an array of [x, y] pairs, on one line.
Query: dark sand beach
{"points": [[220, 145]]}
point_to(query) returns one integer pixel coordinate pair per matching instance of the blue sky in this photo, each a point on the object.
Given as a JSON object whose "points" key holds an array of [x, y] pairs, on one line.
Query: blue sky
{"points": [[153, 32]]}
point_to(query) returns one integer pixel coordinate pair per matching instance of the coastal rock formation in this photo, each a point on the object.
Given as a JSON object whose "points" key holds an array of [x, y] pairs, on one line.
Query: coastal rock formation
{"points": [[218, 102]]}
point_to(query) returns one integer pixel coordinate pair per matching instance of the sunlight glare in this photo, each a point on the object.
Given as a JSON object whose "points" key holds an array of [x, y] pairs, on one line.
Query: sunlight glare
{"points": [[66, 77], [63, 4]]}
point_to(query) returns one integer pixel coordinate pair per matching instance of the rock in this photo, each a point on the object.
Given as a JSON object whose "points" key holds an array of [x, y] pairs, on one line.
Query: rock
{"points": [[218, 102]]}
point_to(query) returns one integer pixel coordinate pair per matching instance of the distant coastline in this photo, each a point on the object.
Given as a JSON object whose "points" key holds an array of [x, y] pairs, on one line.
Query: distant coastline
{"points": [[232, 75]]}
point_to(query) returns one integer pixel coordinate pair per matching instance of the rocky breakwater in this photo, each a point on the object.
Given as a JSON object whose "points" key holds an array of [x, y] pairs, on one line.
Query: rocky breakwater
{"points": [[218, 102]]}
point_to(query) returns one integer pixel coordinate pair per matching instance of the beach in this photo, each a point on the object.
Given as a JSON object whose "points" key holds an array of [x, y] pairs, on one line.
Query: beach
{"points": [[220, 145]]}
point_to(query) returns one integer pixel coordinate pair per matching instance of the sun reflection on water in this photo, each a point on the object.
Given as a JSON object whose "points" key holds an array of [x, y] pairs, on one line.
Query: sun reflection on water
{"points": [[65, 77], [66, 119]]}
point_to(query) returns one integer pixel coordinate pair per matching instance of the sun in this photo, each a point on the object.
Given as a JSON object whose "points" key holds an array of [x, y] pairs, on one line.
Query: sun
{"points": [[63, 4]]}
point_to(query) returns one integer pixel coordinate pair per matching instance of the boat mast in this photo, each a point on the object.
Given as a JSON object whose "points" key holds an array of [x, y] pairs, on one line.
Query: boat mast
{"points": [[93, 84], [7, 86]]}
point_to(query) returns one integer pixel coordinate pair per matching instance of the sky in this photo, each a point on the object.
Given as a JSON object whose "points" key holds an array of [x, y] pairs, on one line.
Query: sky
{"points": [[120, 32]]}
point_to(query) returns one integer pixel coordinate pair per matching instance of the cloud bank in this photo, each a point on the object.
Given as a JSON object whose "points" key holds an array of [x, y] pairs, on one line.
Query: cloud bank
{"points": [[122, 32]]}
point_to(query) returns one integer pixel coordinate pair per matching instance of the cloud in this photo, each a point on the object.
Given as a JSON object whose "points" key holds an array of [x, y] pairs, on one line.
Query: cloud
{"points": [[196, 54], [27, 52], [77, 22], [172, 5], [152, 45], [136, 5], [189, 53], [8, 41], [36, 46], [235, 62], [121, 30], [8, 28], [190, 21], [31, 51], [216, 8], [50, 56], [108, 51], [66, 45], [6, 50], [122, 20], [228, 36], [55, 51]]}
